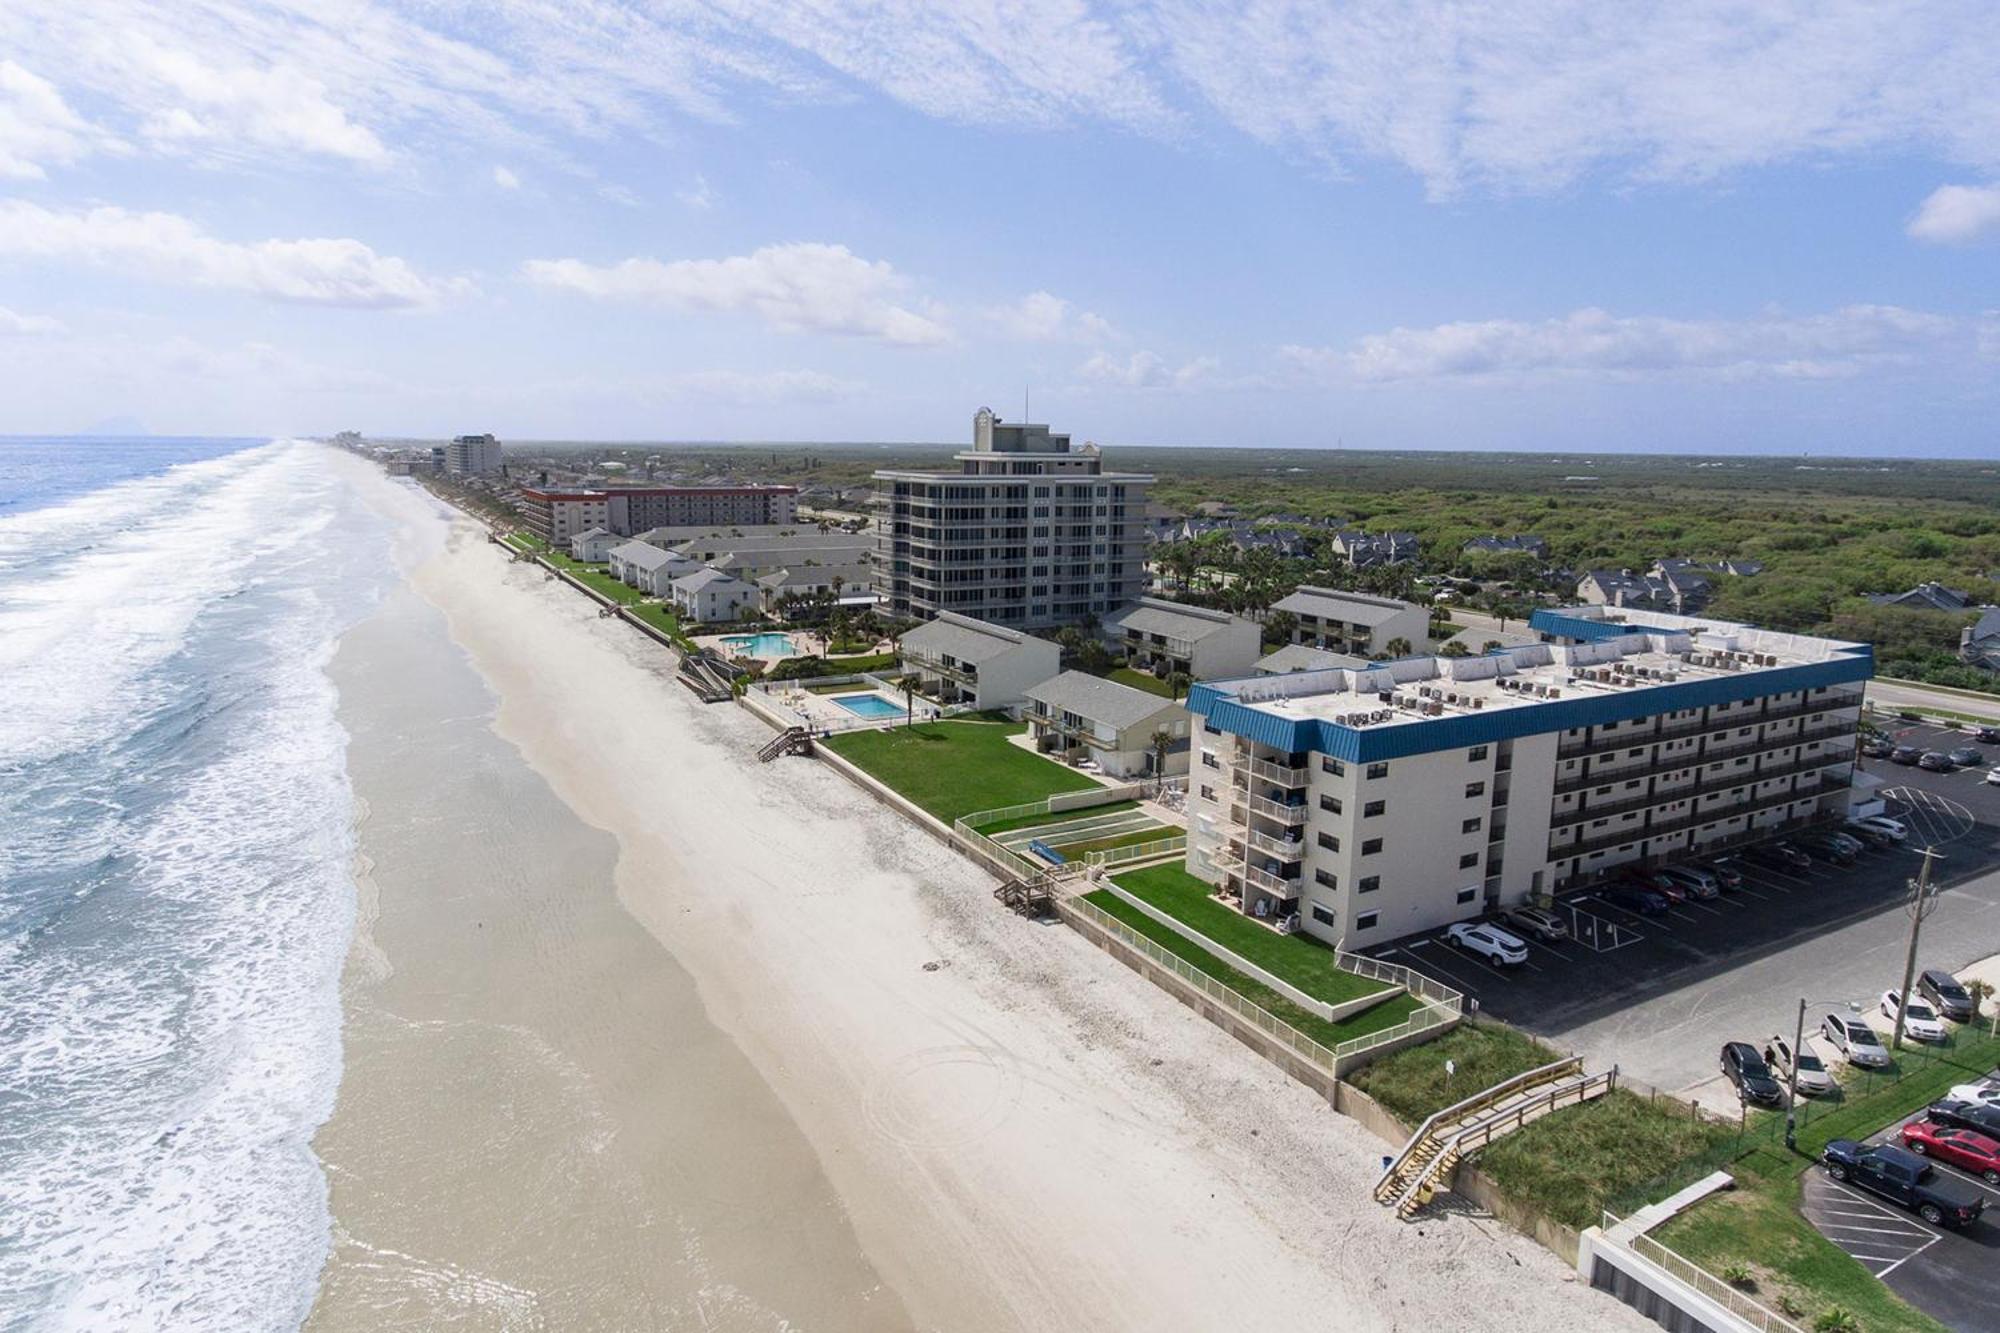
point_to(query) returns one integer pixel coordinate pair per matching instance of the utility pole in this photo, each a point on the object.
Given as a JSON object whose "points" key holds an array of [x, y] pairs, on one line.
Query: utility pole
{"points": [[1922, 903], [1792, 1090]]}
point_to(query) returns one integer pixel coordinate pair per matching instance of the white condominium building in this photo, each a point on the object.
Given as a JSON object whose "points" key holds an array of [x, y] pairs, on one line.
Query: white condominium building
{"points": [[1028, 532], [473, 456], [1373, 802]]}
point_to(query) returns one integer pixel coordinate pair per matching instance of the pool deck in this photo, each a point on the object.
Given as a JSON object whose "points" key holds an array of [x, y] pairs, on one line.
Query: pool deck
{"points": [[820, 711], [805, 643]]}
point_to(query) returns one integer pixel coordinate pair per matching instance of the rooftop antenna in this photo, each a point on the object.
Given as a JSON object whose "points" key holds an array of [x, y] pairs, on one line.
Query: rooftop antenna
{"points": [[1024, 404]]}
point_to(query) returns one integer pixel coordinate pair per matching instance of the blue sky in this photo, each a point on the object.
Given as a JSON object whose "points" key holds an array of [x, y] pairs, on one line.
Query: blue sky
{"points": [[1567, 226]]}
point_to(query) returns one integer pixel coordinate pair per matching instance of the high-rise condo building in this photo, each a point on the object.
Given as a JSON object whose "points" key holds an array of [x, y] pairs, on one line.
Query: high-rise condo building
{"points": [[556, 515], [1027, 532], [473, 456]]}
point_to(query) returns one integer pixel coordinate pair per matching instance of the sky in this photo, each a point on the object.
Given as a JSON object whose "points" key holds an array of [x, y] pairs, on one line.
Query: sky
{"points": [[1687, 227]]}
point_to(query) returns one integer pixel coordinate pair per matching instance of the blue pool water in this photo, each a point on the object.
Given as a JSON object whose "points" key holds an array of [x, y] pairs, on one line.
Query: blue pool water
{"points": [[767, 644], [869, 705]]}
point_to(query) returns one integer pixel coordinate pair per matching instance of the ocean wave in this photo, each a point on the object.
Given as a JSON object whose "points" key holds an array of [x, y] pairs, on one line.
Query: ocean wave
{"points": [[170, 951]]}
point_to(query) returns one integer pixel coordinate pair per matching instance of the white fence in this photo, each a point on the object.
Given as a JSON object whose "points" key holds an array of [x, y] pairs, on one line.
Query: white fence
{"points": [[1753, 1313], [1138, 851]]}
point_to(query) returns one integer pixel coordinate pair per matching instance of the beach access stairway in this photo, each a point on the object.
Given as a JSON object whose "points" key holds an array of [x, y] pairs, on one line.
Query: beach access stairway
{"points": [[1034, 895], [712, 682], [792, 740], [1453, 1134]]}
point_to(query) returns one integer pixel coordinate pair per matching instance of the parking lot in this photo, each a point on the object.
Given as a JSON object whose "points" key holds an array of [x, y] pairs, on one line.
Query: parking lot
{"points": [[1659, 995], [1947, 1274]]}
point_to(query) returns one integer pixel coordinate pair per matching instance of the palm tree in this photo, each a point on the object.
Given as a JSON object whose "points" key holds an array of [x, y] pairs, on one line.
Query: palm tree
{"points": [[907, 684], [1177, 683], [1162, 743], [1397, 647], [1490, 645]]}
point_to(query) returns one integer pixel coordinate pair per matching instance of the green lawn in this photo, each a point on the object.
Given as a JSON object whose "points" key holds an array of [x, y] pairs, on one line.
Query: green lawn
{"points": [[1571, 1164], [1076, 850], [1372, 1019], [661, 617], [1299, 958], [851, 666], [1024, 821], [1413, 1084], [1141, 680], [956, 768]]}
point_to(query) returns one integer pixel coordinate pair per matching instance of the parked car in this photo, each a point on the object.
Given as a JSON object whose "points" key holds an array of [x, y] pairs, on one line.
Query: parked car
{"points": [[1493, 944], [1867, 833], [1695, 883], [1895, 828], [1903, 1177], [1920, 1021], [1847, 840], [1725, 872], [1875, 747], [1826, 849], [1987, 735], [1779, 856], [1934, 761], [1633, 898], [1856, 1041], [1966, 1149], [1965, 1115], [1941, 988], [1812, 1077], [1539, 922], [1905, 755], [1993, 776], [1966, 756], [1986, 1094], [1745, 1068], [1672, 890]]}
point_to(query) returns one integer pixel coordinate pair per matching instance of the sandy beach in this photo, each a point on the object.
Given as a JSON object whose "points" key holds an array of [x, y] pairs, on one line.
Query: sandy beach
{"points": [[728, 1045]]}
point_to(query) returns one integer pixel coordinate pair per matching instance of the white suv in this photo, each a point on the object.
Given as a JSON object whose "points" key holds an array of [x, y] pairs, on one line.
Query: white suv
{"points": [[1812, 1075], [1493, 944]]}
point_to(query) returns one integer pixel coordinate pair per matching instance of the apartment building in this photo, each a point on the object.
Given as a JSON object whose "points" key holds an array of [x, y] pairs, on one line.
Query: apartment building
{"points": [[1028, 532], [1378, 801], [556, 514], [1083, 719], [1354, 622], [961, 660], [473, 456], [1164, 637]]}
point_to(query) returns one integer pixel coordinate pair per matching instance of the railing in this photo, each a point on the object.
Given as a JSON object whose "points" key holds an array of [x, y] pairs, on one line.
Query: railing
{"points": [[1292, 816], [1642, 833], [1416, 983], [1706, 787], [1285, 775], [1634, 739], [1287, 849], [1700, 758], [1138, 851], [1270, 883], [1744, 1307]]}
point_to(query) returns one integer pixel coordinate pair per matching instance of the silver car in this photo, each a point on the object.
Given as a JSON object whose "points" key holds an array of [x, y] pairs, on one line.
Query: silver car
{"points": [[1856, 1041]]}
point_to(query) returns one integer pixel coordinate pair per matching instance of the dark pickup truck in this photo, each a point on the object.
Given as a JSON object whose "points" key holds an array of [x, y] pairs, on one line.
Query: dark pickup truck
{"points": [[1903, 1177]]}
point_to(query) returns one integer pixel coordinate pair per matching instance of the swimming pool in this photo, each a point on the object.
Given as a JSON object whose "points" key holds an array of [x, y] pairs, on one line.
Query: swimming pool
{"points": [[766, 644], [869, 705]]}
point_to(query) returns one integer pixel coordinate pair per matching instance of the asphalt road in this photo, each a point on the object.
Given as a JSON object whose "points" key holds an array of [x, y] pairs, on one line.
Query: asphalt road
{"points": [[1663, 1001], [1899, 698]]}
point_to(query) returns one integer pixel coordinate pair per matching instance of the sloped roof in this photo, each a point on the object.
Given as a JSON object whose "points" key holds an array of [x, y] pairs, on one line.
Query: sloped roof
{"points": [[962, 637], [1354, 607], [1305, 657], [706, 578], [1106, 701], [1151, 615], [643, 554]]}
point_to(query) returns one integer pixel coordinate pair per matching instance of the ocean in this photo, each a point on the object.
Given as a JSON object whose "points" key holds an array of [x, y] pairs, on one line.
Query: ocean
{"points": [[176, 891]]}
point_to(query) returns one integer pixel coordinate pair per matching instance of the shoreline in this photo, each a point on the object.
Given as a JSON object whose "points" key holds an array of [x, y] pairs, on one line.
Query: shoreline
{"points": [[1021, 1137]]}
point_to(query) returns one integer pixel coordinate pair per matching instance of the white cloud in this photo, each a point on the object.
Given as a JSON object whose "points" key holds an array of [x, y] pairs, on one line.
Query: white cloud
{"points": [[17, 325], [196, 104], [698, 195], [1147, 370], [166, 247], [775, 386], [1043, 317], [1957, 213], [37, 127], [506, 179], [1594, 344], [798, 288]]}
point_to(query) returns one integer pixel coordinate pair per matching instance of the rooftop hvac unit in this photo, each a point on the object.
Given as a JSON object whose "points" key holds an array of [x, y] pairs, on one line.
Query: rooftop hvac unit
{"points": [[1436, 708], [1555, 693], [1478, 704], [1384, 697]]}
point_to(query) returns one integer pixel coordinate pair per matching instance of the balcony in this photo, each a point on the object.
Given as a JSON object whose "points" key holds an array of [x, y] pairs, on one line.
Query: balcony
{"points": [[1825, 703], [1272, 884], [1706, 755], [1706, 787], [1291, 816], [1284, 775], [1682, 823], [1285, 849]]}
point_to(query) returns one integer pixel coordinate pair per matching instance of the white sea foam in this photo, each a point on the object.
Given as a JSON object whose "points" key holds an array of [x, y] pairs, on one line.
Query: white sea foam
{"points": [[170, 960]]}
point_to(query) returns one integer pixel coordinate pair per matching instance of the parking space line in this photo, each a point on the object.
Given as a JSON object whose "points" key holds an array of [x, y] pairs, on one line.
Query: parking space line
{"points": [[1911, 1255], [1432, 962]]}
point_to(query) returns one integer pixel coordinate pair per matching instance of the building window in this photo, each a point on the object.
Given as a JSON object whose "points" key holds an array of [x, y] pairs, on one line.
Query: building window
{"points": [[1208, 793], [1321, 915], [1471, 825], [1378, 770], [1333, 766], [1469, 860], [1466, 895], [1368, 884], [1330, 804], [1208, 759], [1366, 921], [1329, 841], [1473, 789], [1476, 753], [1326, 878], [1373, 808], [1372, 846]]}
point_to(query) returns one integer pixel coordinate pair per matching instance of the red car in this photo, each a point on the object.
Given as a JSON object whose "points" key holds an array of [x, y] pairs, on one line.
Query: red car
{"points": [[1966, 1149], [1670, 889]]}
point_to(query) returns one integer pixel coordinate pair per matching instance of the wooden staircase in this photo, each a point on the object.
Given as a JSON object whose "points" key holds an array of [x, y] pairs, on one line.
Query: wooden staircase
{"points": [[1425, 1165], [1035, 895], [792, 740]]}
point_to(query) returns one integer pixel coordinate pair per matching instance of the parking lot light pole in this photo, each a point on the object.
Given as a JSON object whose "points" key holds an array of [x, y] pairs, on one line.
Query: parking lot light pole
{"points": [[1792, 1089], [1922, 902]]}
